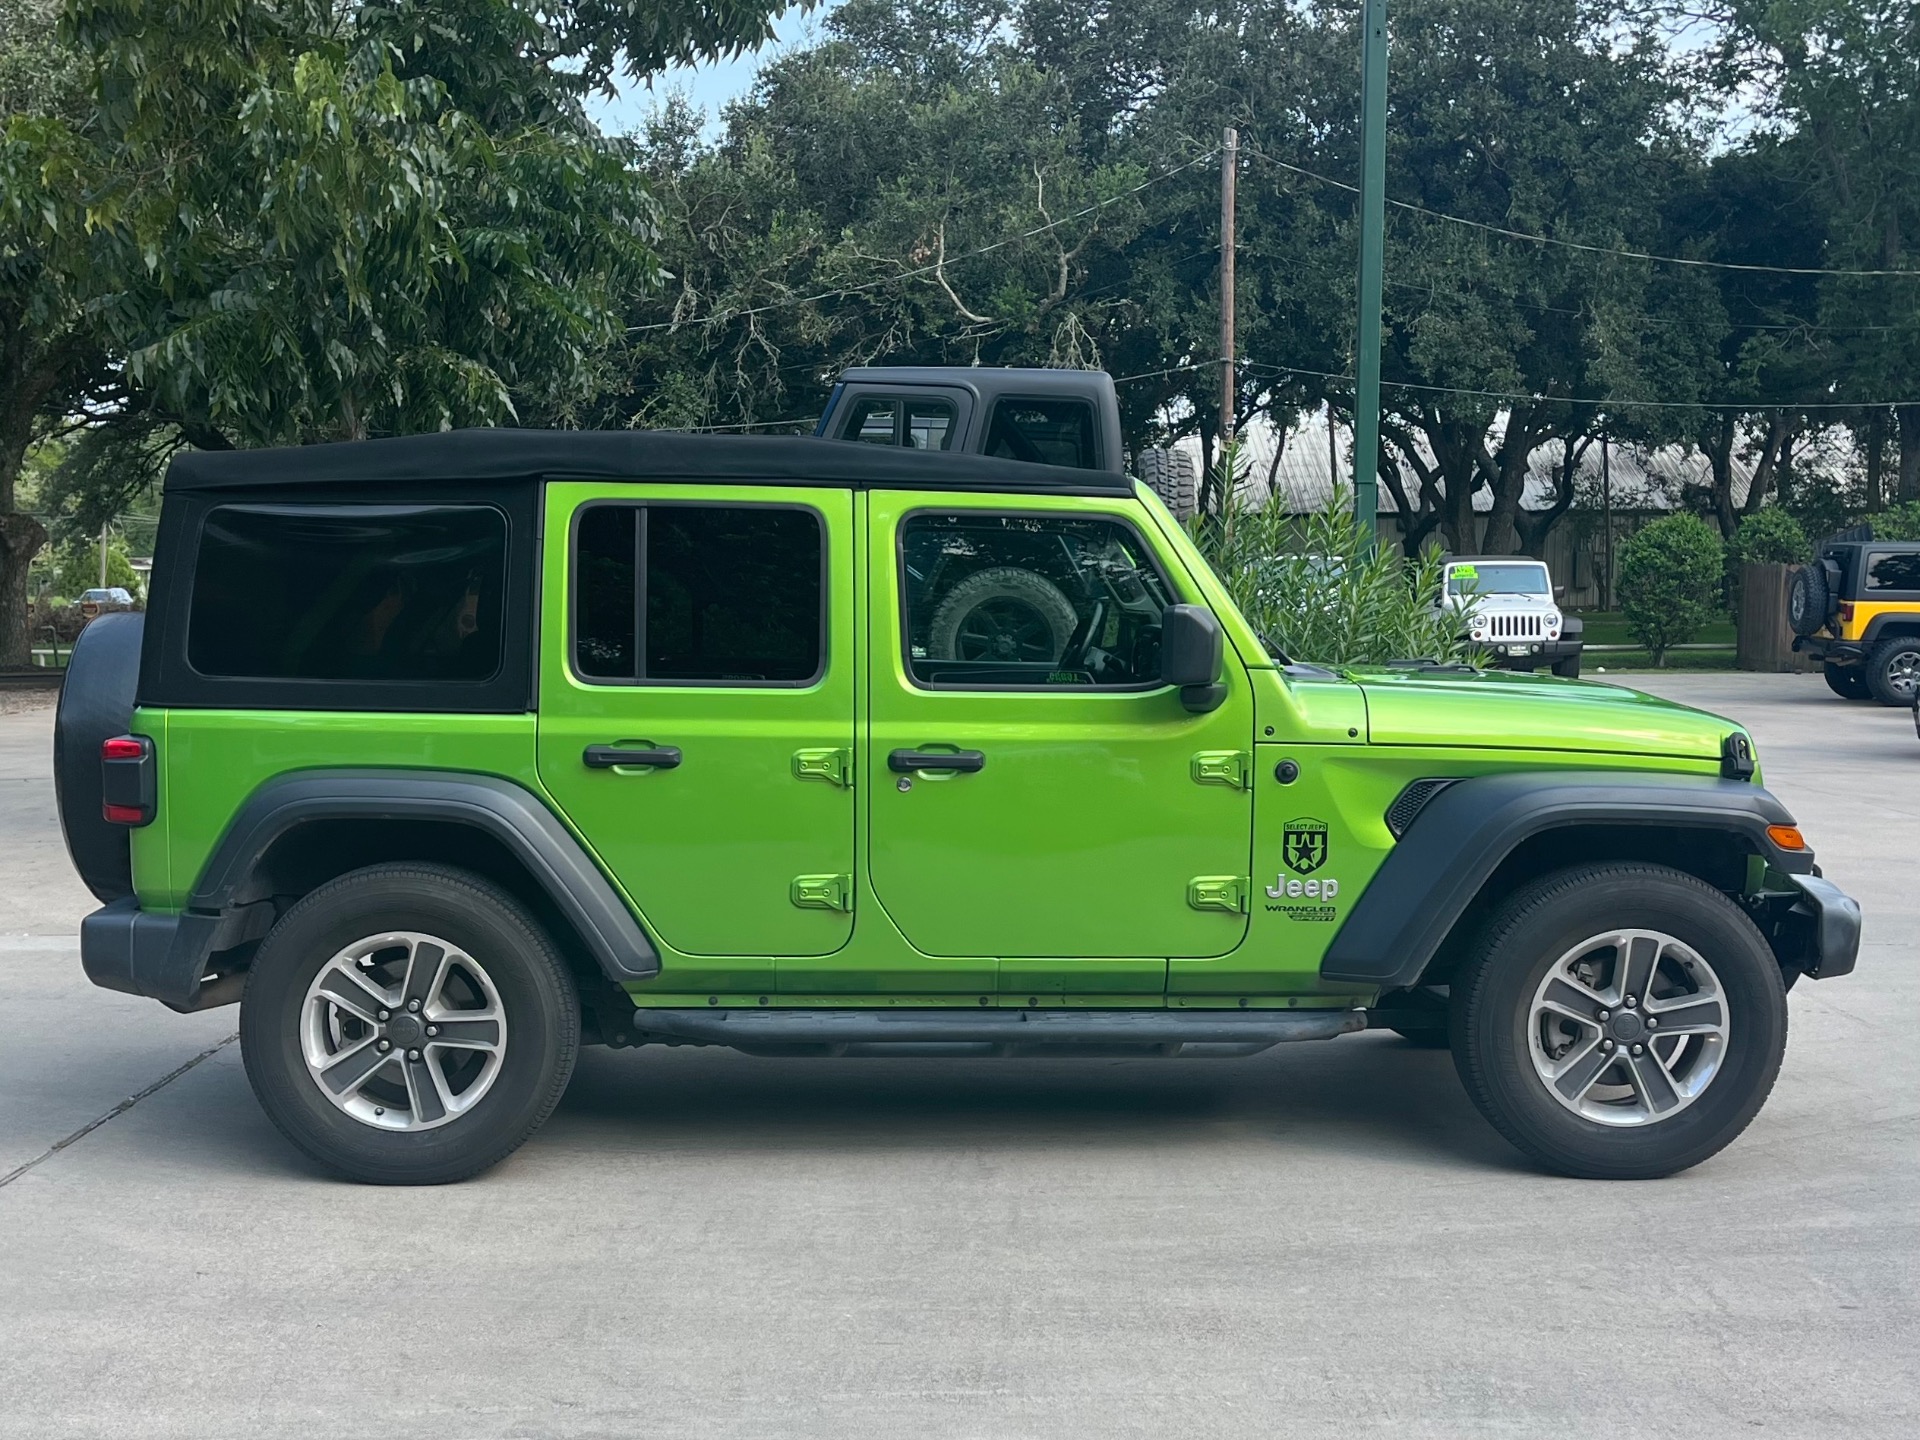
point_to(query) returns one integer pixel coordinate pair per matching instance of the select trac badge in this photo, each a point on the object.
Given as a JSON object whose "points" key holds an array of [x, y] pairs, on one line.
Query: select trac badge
{"points": [[1303, 845]]}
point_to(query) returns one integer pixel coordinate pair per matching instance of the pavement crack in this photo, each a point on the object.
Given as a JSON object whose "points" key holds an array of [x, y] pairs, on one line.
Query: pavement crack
{"points": [[120, 1109]]}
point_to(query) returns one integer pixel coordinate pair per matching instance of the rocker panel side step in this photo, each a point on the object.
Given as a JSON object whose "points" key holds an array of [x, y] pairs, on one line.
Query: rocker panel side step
{"points": [[997, 1032]]}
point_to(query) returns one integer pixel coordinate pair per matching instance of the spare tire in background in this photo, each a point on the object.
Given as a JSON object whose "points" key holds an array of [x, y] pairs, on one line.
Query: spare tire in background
{"points": [[1003, 614], [96, 703], [1808, 599], [1173, 475]]}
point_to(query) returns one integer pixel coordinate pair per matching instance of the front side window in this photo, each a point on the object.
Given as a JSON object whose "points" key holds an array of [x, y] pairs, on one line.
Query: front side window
{"points": [[1029, 601], [915, 424], [1892, 570], [1043, 432], [698, 594], [349, 593]]}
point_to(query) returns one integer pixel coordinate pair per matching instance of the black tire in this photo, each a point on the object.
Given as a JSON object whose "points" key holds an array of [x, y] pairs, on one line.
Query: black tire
{"points": [[1493, 997], [1567, 668], [96, 703], [1004, 606], [1849, 682], [537, 997], [1174, 476], [1892, 668], [1808, 599]]}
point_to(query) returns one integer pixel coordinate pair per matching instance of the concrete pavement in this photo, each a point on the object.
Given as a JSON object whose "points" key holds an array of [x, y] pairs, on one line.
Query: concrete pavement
{"points": [[1325, 1240]]}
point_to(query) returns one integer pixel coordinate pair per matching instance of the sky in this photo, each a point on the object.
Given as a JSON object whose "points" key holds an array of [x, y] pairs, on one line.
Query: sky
{"points": [[709, 87]]}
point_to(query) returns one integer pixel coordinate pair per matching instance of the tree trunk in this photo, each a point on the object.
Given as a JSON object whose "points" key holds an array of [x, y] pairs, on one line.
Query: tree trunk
{"points": [[1720, 456], [1909, 483], [1876, 458], [21, 537]]}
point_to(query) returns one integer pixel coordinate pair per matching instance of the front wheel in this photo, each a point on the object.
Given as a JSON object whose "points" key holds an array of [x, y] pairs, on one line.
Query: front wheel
{"points": [[1567, 668], [408, 1025], [1620, 1022]]}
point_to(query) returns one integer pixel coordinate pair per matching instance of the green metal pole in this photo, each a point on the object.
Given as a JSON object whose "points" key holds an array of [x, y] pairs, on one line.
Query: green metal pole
{"points": [[1373, 224]]}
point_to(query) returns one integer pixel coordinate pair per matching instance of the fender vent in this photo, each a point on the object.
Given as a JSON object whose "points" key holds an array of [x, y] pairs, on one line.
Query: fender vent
{"points": [[1412, 801]]}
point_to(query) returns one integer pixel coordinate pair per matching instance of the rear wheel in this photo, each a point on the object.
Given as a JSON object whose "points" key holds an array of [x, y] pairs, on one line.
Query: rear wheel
{"points": [[408, 1025], [1893, 670], [1849, 682], [1619, 1021]]}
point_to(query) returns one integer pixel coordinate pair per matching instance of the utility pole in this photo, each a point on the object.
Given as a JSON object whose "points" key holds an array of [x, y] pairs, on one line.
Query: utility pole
{"points": [[1606, 522], [1373, 224], [1229, 164]]}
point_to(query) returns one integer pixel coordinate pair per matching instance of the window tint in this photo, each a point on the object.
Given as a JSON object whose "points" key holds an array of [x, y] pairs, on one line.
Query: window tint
{"points": [[994, 601], [381, 592], [1044, 432], [713, 594], [1508, 579], [1890, 571], [917, 424]]}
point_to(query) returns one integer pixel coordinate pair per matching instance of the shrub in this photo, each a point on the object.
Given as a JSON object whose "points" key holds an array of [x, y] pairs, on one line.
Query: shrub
{"points": [[1669, 581], [1318, 590], [1770, 537], [1899, 522]]}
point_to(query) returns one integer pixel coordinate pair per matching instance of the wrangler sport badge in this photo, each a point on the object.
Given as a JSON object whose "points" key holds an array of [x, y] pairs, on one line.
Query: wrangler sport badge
{"points": [[1304, 845]]}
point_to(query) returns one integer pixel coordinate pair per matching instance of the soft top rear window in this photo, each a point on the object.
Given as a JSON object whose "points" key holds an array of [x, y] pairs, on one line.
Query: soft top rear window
{"points": [[349, 593]]}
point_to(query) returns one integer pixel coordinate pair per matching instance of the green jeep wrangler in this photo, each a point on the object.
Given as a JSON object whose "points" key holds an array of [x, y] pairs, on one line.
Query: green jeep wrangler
{"points": [[445, 755]]}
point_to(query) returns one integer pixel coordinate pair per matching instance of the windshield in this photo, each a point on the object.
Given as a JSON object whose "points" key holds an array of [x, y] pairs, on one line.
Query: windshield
{"points": [[1495, 579]]}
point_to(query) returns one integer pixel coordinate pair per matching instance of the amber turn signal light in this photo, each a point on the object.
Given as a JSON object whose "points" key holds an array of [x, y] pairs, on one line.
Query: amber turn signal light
{"points": [[1787, 837]]}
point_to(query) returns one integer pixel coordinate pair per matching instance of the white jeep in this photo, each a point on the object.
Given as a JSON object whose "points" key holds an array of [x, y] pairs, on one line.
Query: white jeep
{"points": [[1507, 606]]}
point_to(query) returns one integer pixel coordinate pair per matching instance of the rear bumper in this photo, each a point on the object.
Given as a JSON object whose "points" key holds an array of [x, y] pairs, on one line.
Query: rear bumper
{"points": [[1833, 652], [163, 957]]}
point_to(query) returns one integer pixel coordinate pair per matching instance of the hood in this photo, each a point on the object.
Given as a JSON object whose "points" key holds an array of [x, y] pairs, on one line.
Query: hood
{"points": [[1531, 712]]}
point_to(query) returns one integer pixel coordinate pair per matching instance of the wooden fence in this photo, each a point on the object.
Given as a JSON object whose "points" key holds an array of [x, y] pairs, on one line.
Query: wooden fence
{"points": [[1764, 638]]}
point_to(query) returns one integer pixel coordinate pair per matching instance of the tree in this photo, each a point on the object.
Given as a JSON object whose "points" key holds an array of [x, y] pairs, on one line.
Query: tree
{"points": [[1669, 582], [285, 222]]}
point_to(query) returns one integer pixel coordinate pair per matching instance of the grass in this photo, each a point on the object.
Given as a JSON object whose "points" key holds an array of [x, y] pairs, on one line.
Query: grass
{"points": [[1609, 627]]}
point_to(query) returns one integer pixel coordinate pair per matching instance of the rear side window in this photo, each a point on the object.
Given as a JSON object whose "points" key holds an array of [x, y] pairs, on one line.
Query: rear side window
{"points": [[349, 593], [1044, 432], [915, 424], [1891, 570], [699, 595]]}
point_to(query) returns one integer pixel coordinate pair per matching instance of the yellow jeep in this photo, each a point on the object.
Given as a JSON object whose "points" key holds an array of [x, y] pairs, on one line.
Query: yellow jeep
{"points": [[1857, 609]]}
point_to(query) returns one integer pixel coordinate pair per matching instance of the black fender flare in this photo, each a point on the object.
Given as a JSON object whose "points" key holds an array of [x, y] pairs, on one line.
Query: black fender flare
{"points": [[504, 810], [1890, 623], [1464, 833]]}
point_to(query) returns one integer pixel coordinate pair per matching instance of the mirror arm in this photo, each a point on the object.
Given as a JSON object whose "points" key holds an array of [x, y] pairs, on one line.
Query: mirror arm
{"points": [[1202, 699]]}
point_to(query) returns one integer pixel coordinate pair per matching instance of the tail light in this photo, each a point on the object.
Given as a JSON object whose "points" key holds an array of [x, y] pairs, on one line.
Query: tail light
{"points": [[1846, 612], [127, 785]]}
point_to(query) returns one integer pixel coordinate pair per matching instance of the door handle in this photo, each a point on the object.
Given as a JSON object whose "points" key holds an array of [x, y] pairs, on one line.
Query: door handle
{"points": [[905, 762], [605, 757]]}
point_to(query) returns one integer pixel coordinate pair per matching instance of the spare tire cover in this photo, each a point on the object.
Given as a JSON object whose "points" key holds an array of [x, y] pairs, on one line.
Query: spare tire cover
{"points": [[96, 703]]}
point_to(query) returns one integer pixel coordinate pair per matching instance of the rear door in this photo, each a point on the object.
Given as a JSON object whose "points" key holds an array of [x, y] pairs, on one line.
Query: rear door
{"points": [[1036, 793], [697, 707]]}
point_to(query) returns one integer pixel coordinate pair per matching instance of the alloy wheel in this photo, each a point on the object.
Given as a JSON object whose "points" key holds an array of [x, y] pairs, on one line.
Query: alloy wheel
{"points": [[403, 1031], [1628, 1028]]}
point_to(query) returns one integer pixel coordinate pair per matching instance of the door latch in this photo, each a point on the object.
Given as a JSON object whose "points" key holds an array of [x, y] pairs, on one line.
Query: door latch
{"points": [[1218, 892], [822, 892], [1232, 768], [833, 766]]}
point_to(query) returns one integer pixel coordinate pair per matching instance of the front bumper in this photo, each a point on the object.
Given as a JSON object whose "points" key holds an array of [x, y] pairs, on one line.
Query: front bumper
{"points": [[1814, 927]]}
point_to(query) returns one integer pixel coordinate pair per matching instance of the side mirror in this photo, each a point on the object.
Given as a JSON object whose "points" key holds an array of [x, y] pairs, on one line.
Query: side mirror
{"points": [[1192, 647], [1559, 592]]}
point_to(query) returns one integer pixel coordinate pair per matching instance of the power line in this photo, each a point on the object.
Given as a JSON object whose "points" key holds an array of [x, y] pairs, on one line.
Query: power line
{"points": [[1578, 245], [1602, 403], [895, 279]]}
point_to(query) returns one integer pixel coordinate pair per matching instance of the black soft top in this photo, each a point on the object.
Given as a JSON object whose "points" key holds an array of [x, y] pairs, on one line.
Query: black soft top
{"points": [[457, 456]]}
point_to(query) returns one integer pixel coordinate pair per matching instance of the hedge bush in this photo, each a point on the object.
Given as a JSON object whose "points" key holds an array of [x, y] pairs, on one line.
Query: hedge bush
{"points": [[1670, 581]]}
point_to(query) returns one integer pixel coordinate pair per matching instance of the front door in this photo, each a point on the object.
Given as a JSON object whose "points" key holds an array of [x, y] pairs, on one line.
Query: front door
{"points": [[1036, 793], [697, 716]]}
